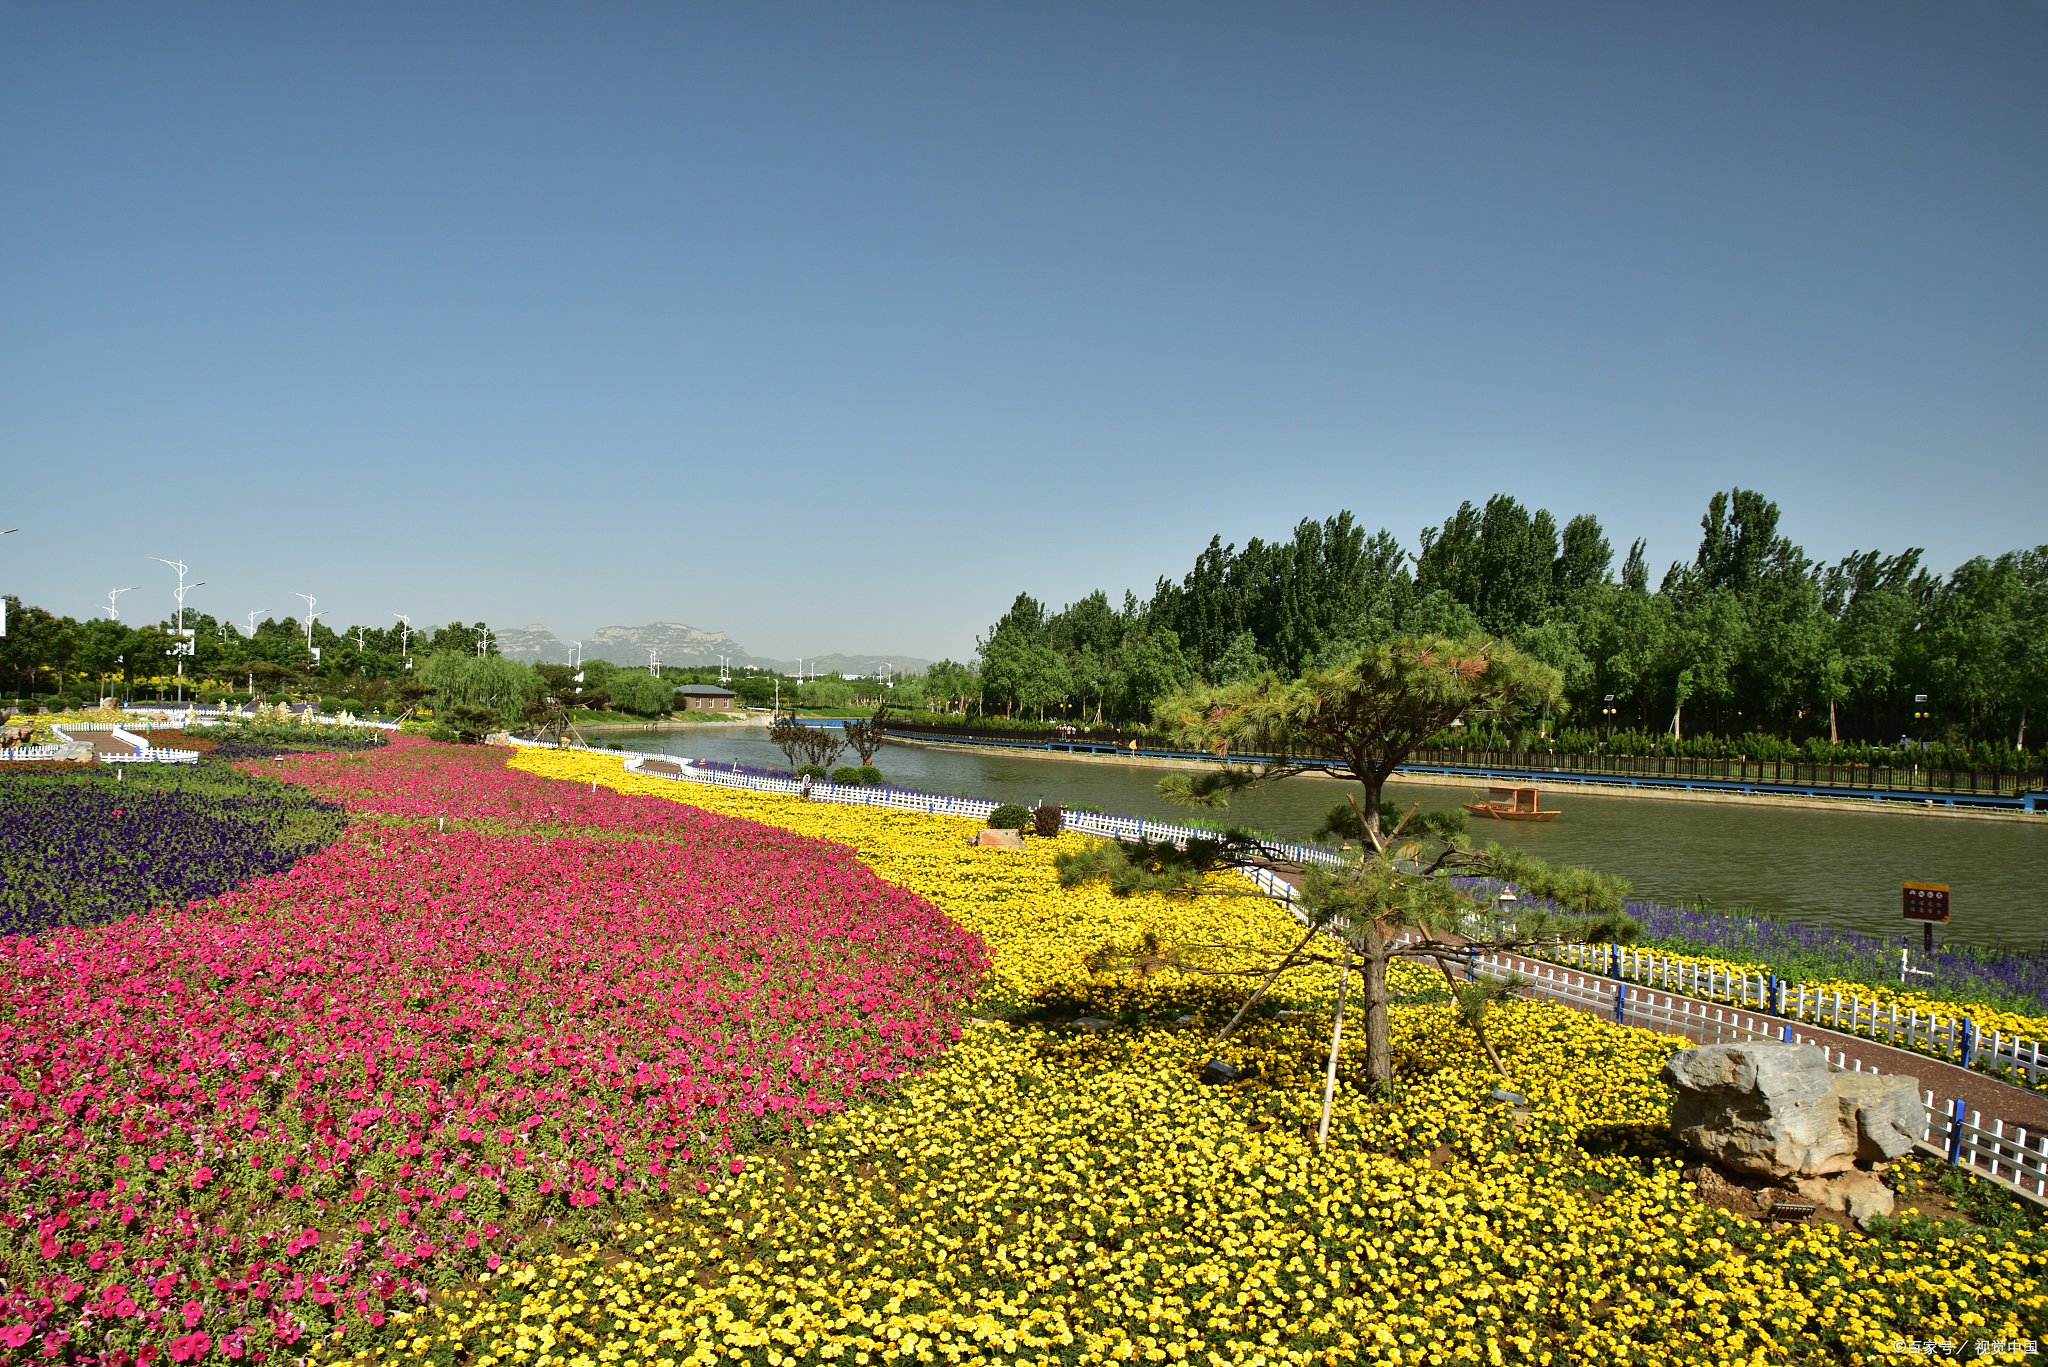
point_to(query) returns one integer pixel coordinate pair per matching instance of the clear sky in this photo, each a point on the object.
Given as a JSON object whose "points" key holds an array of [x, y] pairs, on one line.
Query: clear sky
{"points": [[832, 326]]}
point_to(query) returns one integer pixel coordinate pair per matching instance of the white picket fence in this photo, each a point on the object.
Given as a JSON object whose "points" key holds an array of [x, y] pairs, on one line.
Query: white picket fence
{"points": [[1953, 1038], [2007, 1154], [906, 799], [851, 794], [143, 753], [30, 752]]}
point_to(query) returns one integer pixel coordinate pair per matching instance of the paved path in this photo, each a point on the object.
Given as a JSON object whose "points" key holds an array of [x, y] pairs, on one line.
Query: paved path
{"points": [[102, 742], [1705, 1022]]}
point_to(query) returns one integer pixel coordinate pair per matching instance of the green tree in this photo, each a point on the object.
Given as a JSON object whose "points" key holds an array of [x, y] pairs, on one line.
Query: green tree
{"points": [[1397, 897], [489, 682], [641, 693], [101, 645], [1240, 661], [1371, 714]]}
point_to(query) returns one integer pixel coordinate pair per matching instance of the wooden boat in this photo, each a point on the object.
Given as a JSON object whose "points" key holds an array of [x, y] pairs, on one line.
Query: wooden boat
{"points": [[1505, 803]]}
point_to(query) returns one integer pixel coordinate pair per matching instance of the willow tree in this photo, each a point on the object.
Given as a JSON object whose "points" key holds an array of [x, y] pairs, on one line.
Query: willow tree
{"points": [[1395, 896]]}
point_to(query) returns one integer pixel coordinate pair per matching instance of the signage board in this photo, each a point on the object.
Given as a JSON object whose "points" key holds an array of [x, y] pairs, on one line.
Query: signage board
{"points": [[1927, 902]]}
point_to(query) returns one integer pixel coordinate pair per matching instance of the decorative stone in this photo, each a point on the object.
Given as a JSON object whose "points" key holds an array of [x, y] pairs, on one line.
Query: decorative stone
{"points": [[1887, 1112], [1185, 1021], [1094, 1025], [1217, 1073], [1856, 1194], [996, 839], [1778, 1110]]}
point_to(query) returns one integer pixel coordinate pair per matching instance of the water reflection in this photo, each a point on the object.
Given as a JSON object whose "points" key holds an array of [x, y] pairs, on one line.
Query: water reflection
{"points": [[1838, 868]]}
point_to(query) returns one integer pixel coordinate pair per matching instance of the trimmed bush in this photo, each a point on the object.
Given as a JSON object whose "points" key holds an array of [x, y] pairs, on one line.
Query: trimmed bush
{"points": [[857, 774], [1009, 817]]}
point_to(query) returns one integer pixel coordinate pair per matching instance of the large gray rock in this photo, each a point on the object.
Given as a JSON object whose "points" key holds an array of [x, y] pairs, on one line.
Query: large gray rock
{"points": [[1778, 1110], [1887, 1113]]}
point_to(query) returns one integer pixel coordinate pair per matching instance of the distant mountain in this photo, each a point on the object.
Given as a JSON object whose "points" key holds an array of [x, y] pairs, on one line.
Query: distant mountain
{"points": [[677, 644], [532, 644], [684, 645]]}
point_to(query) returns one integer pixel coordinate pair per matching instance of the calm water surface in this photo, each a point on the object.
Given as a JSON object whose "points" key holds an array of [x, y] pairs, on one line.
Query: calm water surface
{"points": [[1831, 868]]}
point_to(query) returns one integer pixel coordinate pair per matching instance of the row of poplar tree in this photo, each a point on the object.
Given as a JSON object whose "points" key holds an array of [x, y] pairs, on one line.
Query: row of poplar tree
{"points": [[1751, 636]]}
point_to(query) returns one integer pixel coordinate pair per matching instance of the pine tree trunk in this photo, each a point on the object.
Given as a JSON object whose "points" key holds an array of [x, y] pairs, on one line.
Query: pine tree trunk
{"points": [[1379, 1046], [1834, 739]]}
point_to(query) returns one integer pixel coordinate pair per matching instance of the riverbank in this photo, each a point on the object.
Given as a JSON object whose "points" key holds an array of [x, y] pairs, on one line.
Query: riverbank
{"points": [[1468, 783]]}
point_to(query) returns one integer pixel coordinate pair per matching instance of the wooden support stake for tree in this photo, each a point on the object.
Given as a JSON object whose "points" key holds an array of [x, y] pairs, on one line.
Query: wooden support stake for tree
{"points": [[1477, 1028], [1238, 1019], [1336, 1038]]}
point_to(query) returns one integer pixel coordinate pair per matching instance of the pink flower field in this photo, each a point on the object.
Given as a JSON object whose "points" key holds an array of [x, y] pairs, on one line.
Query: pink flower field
{"points": [[235, 1131]]}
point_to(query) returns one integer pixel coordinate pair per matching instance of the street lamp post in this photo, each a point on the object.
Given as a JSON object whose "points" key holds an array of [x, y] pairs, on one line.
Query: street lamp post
{"points": [[404, 638], [184, 647], [3, 600], [113, 597], [310, 617]]}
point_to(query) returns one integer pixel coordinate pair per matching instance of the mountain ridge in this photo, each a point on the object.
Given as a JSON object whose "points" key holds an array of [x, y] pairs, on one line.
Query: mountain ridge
{"points": [[680, 644]]}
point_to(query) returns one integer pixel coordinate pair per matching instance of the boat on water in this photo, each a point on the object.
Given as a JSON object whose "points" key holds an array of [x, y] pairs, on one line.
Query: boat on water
{"points": [[1509, 803]]}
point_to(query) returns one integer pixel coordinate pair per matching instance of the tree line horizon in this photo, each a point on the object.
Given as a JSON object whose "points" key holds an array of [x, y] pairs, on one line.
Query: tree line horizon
{"points": [[1751, 636]]}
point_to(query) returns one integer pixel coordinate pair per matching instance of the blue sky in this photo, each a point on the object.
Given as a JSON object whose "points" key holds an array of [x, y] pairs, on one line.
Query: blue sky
{"points": [[833, 326]]}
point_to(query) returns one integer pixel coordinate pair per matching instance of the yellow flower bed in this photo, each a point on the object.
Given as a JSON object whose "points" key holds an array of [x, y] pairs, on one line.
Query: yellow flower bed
{"points": [[1048, 1195]]}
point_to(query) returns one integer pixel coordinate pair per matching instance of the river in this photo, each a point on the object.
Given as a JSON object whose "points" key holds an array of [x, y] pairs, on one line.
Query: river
{"points": [[1830, 868]]}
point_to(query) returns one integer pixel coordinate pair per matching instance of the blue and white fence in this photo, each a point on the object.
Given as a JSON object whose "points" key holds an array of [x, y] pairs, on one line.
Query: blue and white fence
{"points": [[1950, 1037], [31, 752], [852, 794], [2003, 1152]]}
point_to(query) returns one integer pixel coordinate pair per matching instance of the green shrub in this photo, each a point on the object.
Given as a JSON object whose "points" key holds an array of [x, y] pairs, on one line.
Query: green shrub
{"points": [[1009, 817], [871, 776], [814, 771], [857, 774]]}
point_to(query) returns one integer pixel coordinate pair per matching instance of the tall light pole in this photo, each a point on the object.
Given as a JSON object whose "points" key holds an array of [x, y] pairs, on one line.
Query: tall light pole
{"points": [[113, 596], [310, 616], [654, 662], [723, 676], [3, 601], [184, 647], [253, 699], [405, 638], [483, 640]]}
